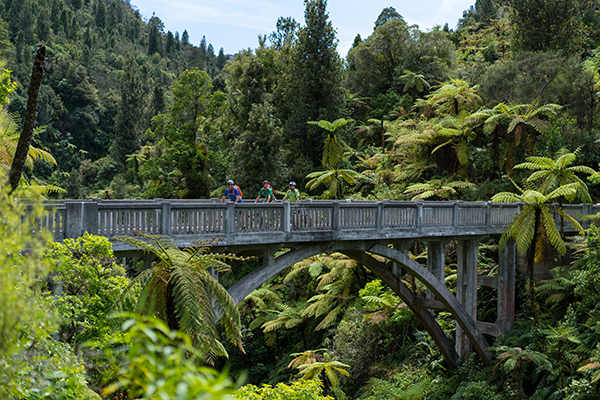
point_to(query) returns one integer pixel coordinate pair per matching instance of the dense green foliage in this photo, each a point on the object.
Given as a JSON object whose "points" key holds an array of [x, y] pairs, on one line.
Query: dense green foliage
{"points": [[32, 365], [129, 111]]}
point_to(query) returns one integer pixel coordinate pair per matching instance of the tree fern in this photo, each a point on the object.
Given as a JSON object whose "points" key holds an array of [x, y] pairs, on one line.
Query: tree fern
{"points": [[179, 289]]}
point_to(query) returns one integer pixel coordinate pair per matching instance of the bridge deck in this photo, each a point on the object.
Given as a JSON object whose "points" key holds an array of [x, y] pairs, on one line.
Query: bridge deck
{"points": [[309, 221]]}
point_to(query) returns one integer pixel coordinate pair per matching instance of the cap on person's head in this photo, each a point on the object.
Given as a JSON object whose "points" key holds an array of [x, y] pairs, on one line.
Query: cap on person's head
{"points": [[230, 182], [292, 183], [267, 182]]}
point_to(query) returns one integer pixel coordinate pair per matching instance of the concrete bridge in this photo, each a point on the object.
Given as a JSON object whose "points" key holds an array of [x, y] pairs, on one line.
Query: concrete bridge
{"points": [[357, 229]]}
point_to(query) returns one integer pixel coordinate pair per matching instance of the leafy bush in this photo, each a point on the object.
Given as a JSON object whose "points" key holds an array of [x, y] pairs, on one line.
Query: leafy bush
{"points": [[160, 364], [32, 365], [86, 283], [477, 391], [304, 390]]}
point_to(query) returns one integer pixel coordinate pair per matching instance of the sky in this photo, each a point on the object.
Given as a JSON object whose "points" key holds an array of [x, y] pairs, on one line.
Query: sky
{"points": [[235, 24]]}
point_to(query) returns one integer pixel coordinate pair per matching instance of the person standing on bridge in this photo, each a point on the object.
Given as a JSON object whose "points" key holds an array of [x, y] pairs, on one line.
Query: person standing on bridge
{"points": [[233, 192], [292, 194], [267, 192]]}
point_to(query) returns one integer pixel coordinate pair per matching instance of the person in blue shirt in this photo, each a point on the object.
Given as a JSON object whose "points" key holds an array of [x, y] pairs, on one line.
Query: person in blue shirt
{"points": [[233, 192]]}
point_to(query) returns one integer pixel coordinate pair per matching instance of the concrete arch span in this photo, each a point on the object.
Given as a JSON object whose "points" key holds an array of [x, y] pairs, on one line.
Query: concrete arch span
{"points": [[359, 250]]}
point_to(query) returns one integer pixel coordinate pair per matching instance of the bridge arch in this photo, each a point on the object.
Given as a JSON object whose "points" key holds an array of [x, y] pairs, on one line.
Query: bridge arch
{"points": [[360, 250]]}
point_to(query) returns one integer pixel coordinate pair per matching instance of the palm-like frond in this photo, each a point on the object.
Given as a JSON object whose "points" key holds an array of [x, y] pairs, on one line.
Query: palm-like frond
{"points": [[305, 358], [442, 188], [178, 287], [554, 173], [590, 366], [330, 369]]}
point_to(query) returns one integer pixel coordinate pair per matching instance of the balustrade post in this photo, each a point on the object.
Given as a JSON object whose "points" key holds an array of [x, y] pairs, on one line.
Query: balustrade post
{"points": [[455, 219], [90, 217], [488, 214], [419, 221], [73, 219], [286, 217], [166, 221], [80, 217], [230, 218], [335, 217], [380, 205]]}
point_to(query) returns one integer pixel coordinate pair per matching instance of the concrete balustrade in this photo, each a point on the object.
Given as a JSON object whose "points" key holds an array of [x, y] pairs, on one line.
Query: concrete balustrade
{"points": [[282, 222]]}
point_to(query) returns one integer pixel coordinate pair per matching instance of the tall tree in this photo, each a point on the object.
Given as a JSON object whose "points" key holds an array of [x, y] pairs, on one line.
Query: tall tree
{"points": [[181, 166], [378, 61], [387, 14], [154, 39], [131, 111], [549, 25], [22, 150], [221, 59], [534, 229], [100, 15], [312, 89], [170, 43], [287, 29]]}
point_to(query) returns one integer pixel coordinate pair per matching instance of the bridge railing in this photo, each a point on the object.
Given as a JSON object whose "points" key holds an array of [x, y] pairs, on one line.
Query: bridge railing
{"points": [[209, 218]]}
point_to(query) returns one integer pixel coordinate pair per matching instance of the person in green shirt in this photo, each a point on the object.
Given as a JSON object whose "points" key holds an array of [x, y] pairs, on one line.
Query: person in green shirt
{"points": [[292, 194], [267, 192]]}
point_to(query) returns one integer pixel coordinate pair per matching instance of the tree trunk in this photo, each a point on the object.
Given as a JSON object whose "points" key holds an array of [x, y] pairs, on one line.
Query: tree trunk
{"points": [[382, 137], [171, 313], [37, 76], [530, 266]]}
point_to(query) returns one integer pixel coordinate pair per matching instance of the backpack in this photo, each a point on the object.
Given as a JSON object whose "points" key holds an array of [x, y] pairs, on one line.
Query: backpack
{"points": [[273, 198], [238, 188]]}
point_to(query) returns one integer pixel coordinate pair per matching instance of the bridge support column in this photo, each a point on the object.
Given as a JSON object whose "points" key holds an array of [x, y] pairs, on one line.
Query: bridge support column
{"points": [[436, 258], [403, 248], [466, 289], [506, 287]]}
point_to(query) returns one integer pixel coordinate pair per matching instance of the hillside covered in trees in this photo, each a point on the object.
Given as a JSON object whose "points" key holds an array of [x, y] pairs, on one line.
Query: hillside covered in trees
{"points": [[501, 107]]}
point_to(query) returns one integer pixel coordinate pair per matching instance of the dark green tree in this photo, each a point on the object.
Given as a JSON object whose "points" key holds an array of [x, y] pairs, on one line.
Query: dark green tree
{"points": [[387, 14], [180, 168], [287, 29], [485, 10], [177, 41], [221, 59], [312, 89], [202, 48], [170, 43], [185, 38], [158, 103], [257, 151], [379, 60], [100, 15], [131, 111], [43, 26], [154, 39], [549, 25]]}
